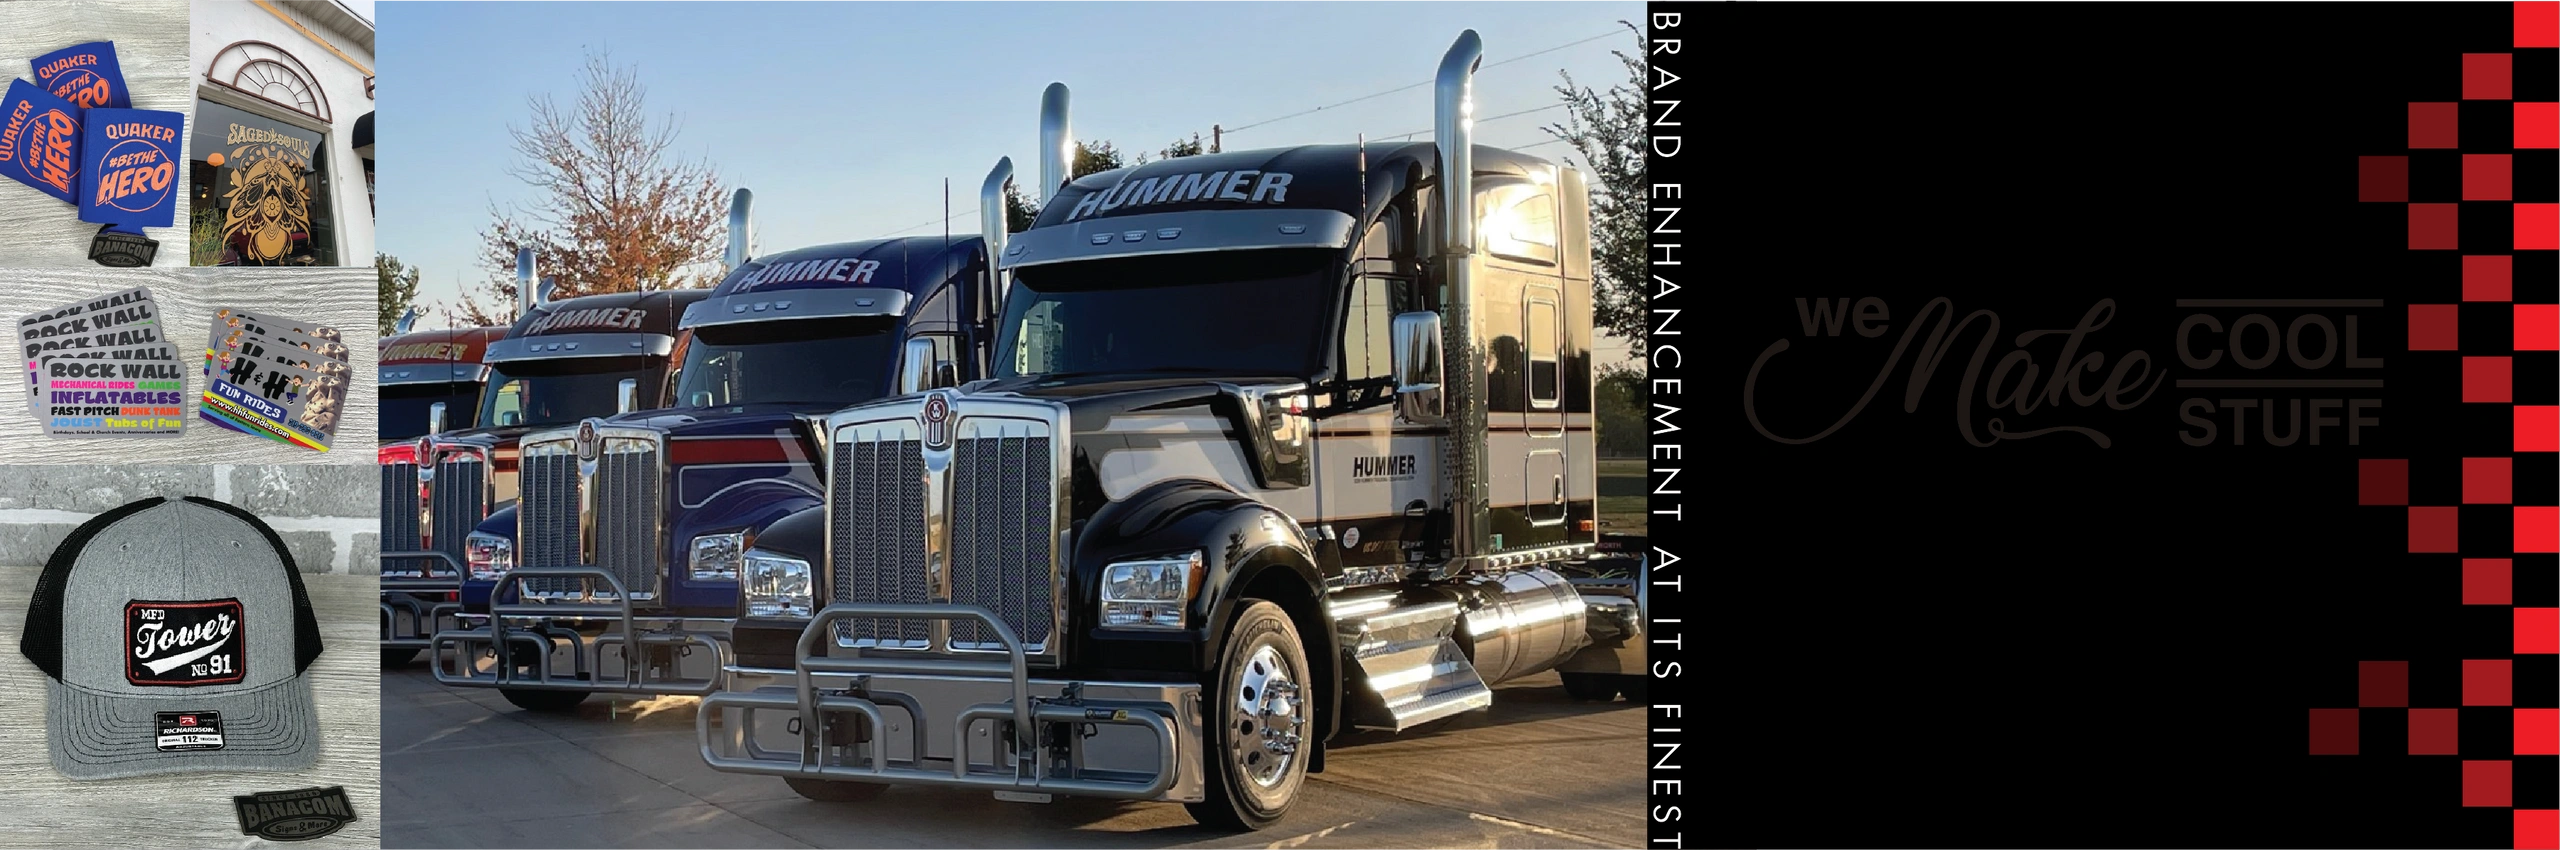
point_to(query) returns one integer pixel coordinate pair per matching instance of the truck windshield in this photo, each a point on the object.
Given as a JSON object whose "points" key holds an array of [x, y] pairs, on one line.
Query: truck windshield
{"points": [[831, 362], [560, 392], [403, 415], [1232, 313]]}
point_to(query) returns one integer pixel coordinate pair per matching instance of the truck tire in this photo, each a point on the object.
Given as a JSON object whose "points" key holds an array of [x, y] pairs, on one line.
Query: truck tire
{"points": [[1633, 686], [549, 702], [827, 791], [1590, 687], [399, 657], [1260, 720]]}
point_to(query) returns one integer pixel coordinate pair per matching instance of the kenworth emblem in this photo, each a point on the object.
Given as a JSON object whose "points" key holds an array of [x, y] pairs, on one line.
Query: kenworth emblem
{"points": [[937, 421], [587, 443], [426, 460]]}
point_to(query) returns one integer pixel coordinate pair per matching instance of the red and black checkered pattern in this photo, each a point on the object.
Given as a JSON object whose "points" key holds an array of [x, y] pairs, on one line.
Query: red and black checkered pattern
{"points": [[2480, 180]]}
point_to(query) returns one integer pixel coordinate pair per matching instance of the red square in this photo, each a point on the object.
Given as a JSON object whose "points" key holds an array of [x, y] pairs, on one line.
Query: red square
{"points": [[2537, 529], [2488, 278], [2488, 480], [2382, 684], [2435, 731], [2488, 380], [2435, 530], [2488, 784], [2382, 482], [2537, 428], [2537, 227], [2538, 731], [2382, 179], [2488, 581], [2538, 24], [2488, 76], [2537, 327], [2486, 681], [2435, 327], [2435, 125], [2437, 227], [2537, 829], [2538, 631], [2537, 126], [2333, 731], [2488, 177]]}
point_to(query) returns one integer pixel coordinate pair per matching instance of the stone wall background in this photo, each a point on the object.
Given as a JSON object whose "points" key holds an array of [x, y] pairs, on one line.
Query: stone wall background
{"points": [[328, 515]]}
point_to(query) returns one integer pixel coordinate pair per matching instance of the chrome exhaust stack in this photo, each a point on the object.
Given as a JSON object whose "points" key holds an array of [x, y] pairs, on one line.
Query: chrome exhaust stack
{"points": [[991, 226], [742, 231], [524, 282], [1453, 128], [1057, 142], [408, 319]]}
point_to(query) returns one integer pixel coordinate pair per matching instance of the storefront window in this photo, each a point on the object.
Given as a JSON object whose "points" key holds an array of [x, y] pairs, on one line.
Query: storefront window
{"points": [[261, 192]]}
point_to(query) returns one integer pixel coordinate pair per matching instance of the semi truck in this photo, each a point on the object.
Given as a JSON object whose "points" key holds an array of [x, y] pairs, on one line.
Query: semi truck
{"points": [[421, 372], [563, 361], [618, 570], [1275, 444]]}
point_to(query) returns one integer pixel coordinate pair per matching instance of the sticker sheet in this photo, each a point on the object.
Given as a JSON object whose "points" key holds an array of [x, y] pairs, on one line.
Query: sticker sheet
{"points": [[113, 397], [124, 324], [274, 378]]}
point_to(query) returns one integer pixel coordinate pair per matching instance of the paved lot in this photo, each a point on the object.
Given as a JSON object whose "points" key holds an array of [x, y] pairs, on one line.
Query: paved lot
{"points": [[462, 768]]}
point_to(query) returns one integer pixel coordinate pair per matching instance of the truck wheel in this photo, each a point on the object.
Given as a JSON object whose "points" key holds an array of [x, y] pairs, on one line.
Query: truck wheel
{"points": [[552, 702], [398, 657], [1257, 751], [1592, 687], [1633, 687], [826, 791]]}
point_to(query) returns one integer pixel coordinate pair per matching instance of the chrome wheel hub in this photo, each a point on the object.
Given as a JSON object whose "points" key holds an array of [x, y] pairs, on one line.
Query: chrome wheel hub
{"points": [[1270, 718]]}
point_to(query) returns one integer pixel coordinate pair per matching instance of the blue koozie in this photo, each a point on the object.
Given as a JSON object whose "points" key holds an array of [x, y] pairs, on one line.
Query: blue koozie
{"points": [[40, 140], [129, 167], [85, 74]]}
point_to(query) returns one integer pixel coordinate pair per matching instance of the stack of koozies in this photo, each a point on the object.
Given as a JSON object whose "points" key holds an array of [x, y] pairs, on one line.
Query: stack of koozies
{"points": [[72, 134], [274, 377], [104, 367]]}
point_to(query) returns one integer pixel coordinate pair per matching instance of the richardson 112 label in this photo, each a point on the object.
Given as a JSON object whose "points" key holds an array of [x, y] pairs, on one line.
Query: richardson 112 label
{"points": [[190, 730]]}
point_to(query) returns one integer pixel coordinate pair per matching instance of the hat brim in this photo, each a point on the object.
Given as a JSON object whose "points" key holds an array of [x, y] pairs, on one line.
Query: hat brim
{"points": [[107, 736]]}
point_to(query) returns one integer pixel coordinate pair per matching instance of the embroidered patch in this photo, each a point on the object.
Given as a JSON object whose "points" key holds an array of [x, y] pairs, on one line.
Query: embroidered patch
{"points": [[185, 644]]}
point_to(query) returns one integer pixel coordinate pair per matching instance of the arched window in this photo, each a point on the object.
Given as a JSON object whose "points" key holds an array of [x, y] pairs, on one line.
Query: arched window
{"points": [[266, 72]]}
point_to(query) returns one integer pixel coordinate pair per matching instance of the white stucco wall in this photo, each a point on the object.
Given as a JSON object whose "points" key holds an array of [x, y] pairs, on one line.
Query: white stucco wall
{"points": [[221, 23]]}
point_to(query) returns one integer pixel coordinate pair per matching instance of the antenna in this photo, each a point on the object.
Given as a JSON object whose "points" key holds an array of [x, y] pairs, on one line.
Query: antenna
{"points": [[946, 214], [1364, 169]]}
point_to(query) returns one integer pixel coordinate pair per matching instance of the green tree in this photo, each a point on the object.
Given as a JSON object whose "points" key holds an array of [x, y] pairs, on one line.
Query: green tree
{"points": [[1618, 406], [1091, 158], [399, 290], [1606, 130]]}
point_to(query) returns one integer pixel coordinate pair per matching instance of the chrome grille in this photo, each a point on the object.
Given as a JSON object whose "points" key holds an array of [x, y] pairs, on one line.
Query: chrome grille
{"points": [[876, 533], [1000, 518], [459, 496], [627, 500], [991, 511], [400, 512]]}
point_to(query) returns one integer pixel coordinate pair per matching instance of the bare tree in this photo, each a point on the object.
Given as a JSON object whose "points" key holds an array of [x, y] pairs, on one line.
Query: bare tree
{"points": [[1606, 130], [617, 208]]}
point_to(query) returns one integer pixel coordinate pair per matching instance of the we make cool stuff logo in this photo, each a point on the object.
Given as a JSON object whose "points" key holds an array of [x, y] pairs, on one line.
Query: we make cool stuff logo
{"points": [[2295, 356]]}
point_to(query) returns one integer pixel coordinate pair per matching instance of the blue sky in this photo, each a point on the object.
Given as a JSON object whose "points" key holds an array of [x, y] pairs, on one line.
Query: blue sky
{"points": [[845, 117]]}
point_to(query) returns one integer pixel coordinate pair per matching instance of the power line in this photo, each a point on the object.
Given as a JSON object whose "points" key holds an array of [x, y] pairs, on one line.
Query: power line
{"points": [[960, 215], [1556, 105], [1420, 84]]}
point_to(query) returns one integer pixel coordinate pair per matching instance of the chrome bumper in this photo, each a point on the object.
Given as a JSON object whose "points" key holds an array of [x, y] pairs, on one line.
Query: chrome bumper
{"points": [[1035, 743], [652, 649], [1615, 614], [409, 622]]}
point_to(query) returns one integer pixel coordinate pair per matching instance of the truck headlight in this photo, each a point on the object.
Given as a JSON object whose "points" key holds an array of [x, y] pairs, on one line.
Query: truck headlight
{"points": [[489, 556], [1150, 594], [716, 556], [776, 586]]}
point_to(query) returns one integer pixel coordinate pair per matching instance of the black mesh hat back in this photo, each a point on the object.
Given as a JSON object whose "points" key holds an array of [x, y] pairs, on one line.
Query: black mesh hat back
{"points": [[42, 642]]}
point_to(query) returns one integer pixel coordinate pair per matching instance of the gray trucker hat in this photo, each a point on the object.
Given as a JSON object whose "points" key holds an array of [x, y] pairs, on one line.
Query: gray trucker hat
{"points": [[176, 633]]}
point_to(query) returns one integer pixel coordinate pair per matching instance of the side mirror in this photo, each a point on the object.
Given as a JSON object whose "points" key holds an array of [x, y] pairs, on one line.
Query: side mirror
{"points": [[915, 367], [946, 373], [626, 395], [511, 417], [435, 418], [699, 398], [1417, 366]]}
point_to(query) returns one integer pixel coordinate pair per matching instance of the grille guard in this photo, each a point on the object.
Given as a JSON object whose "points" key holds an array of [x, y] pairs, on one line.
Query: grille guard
{"points": [[429, 617], [548, 638], [733, 749]]}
